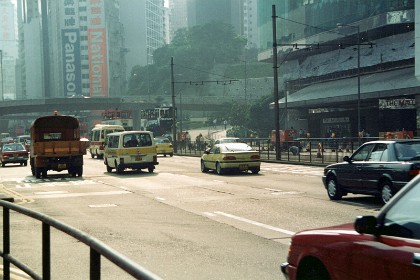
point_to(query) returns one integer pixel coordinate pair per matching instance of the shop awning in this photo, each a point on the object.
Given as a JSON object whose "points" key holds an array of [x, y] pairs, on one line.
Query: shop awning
{"points": [[401, 82]]}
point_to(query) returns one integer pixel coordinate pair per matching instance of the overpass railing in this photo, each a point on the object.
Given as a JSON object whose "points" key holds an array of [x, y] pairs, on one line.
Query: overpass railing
{"points": [[97, 248], [317, 151]]}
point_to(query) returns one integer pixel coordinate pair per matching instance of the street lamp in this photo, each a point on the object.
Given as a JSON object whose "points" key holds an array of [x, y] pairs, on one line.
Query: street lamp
{"points": [[358, 74]]}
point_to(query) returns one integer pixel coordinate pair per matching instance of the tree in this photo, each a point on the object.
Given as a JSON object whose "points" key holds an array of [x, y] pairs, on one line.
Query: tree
{"points": [[196, 51]]}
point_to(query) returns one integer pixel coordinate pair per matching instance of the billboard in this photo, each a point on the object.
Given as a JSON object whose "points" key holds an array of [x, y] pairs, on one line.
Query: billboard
{"points": [[70, 39], [97, 48]]}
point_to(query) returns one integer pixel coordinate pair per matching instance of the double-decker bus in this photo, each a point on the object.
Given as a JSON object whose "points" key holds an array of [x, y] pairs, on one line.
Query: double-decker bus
{"points": [[158, 120]]}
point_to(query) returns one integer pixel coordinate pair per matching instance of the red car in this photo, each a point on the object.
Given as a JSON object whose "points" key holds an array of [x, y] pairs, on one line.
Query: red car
{"points": [[383, 247], [13, 153]]}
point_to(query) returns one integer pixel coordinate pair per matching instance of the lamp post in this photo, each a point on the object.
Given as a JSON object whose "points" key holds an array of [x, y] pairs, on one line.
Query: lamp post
{"points": [[358, 75]]}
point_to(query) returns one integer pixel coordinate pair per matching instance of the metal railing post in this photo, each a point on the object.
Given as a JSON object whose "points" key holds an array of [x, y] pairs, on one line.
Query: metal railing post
{"points": [[6, 243], [46, 252], [95, 265]]}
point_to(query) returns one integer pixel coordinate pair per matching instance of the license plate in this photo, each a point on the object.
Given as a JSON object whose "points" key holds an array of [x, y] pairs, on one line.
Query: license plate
{"points": [[243, 167], [138, 158], [62, 166]]}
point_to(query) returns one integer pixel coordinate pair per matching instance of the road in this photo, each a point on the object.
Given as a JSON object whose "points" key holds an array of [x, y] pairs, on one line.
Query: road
{"points": [[177, 222]]}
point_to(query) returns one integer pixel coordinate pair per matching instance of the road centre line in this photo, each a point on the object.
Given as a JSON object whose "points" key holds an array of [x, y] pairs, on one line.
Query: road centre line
{"points": [[255, 223]]}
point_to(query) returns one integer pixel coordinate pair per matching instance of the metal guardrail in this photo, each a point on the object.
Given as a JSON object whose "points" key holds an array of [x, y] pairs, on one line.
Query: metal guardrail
{"points": [[317, 151], [97, 248]]}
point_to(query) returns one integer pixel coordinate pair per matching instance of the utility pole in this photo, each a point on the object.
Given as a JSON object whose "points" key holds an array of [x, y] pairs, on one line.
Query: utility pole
{"points": [[174, 140], [276, 85]]}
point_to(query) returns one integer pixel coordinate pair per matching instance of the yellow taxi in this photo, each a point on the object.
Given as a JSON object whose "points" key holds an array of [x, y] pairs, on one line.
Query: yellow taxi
{"points": [[164, 146], [230, 156]]}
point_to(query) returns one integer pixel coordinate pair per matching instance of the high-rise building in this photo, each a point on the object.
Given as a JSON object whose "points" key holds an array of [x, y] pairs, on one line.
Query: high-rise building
{"points": [[83, 47], [178, 16], [201, 12], [250, 23], [144, 30], [8, 50]]}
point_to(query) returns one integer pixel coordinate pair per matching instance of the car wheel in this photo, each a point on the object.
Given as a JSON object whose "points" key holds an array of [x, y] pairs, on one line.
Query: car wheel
{"points": [[203, 167], [255, 170], [108, 168], [150, 169], [92, 155], [333, 189], [3, 164], [219, 169], [100, 156], [25, 163], [312, 269], [37, 172], [171, 154], [44, 173], [387, 191], [119, 168]]}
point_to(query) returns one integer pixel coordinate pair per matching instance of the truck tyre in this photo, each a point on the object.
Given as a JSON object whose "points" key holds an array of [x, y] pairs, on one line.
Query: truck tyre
{"points": [[37, 172], [80, 171], [150, 169], [44, 173]]}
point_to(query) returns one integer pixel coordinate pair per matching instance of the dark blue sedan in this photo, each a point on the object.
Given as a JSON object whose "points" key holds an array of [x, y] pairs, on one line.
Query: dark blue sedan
{"points": [[379, 168]]}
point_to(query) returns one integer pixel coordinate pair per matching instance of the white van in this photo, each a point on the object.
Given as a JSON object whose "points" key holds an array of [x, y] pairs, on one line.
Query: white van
{"points": [[130, 149], [98, 136]]}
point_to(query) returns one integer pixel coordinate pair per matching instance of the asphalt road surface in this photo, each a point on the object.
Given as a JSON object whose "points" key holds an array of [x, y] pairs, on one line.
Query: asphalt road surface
{"points": [[177, 222]]}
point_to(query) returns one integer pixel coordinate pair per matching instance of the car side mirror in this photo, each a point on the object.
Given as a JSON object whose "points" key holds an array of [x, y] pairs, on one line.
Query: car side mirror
{"points": [[366, 225], [207, 151], [347, 158]]}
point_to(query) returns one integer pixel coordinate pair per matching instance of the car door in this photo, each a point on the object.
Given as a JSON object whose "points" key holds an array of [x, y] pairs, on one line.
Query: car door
{"points": [[394, 253], [350, 175], [375, 166]]}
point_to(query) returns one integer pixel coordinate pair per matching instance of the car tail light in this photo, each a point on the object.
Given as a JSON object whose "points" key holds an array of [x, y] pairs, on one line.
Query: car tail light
{"points": [[5, 156], [255, 157], [414, 172], [229, 158]]}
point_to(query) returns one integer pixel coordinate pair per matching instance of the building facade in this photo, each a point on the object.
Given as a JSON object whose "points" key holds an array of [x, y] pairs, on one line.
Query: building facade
{"points": [[345, 66], [79, 52], [8, 50]]}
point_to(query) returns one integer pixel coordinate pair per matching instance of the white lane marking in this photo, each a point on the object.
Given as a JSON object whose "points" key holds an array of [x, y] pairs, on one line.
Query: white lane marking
{"points": [[61, 195], [102, 205], [160, 198], [255, 223], [218, 181], [272, 190], [50, 193], [209, 214]]}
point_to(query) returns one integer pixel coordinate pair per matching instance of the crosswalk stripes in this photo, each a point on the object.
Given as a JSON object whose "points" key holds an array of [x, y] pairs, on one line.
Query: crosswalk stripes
{"points": [[294, 169]]}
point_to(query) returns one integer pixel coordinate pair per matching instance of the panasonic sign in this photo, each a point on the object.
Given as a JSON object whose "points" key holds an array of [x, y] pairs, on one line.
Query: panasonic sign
{"points": [[71, 62]]}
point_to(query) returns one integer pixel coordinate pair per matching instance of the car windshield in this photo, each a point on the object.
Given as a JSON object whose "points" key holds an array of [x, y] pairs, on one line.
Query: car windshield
{"points": [[403, 219], [408, 150]]}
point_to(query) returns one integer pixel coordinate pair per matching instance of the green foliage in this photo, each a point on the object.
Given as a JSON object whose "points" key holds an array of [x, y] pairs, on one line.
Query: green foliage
{"points": [[195, 52], [256, 117]]}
